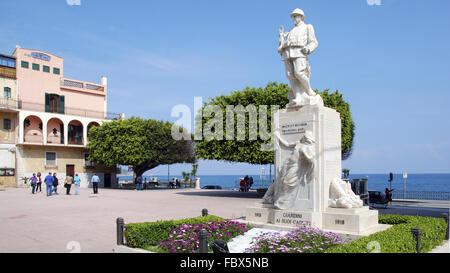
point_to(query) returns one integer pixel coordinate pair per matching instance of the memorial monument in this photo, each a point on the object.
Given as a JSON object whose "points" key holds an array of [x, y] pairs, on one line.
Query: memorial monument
{"points": [[307, 152]]}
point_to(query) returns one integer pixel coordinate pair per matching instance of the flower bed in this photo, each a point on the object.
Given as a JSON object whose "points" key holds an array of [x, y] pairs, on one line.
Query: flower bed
{"points": [[181, 236], [398, 239], [303, 239], [159, 230], [184, 238]]}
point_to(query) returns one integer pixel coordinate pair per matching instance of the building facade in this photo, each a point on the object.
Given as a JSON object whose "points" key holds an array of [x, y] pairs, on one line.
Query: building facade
{"points": [[50, 119], [8, 119]]}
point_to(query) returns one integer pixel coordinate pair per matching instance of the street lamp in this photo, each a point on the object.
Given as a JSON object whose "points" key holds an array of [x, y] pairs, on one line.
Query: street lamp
{"points": [[262, 176], [405, 176]]}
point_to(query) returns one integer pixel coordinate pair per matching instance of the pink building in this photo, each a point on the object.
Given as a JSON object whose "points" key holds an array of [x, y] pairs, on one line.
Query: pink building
{"points": [[44, 88], [54, 115]]}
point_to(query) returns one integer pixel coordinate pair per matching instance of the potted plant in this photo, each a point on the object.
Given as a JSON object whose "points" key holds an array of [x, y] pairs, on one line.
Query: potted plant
{"points": [[194, 172], [25, 180]]}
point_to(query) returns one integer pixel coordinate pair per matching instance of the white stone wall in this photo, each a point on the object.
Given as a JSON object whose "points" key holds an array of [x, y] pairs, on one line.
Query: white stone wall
{"points": [[7, 155]]}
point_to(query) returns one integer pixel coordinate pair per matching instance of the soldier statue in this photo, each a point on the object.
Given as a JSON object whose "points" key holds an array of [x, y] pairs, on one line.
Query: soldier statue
{"points": [[295, 46]]}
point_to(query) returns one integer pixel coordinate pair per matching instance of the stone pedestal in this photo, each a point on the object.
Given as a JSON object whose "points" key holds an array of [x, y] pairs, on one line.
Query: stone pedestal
{"points": [[351, 222], [358, 220], [325, 125], [312, 198]]}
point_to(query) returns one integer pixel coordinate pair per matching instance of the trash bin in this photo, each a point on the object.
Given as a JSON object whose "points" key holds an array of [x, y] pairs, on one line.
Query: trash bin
{"points": [[364, 186], [364, 190]]}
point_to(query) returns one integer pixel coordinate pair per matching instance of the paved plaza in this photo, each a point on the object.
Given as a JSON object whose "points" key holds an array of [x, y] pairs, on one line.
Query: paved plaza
{"points": [[60, 223]]}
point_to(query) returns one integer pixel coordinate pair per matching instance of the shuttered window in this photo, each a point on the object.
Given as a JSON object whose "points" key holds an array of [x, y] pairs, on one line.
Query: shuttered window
{"points": [[7, 124], [50, 158], [7, 92], [54, 103], [61, 104]]}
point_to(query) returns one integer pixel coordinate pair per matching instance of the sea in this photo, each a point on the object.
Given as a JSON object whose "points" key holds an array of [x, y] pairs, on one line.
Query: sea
{"points": [[377, 182]]}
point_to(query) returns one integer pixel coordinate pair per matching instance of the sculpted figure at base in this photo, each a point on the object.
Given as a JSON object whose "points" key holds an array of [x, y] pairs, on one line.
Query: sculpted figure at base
{"points": [[342, 196], [294, 173], [295, 46]]}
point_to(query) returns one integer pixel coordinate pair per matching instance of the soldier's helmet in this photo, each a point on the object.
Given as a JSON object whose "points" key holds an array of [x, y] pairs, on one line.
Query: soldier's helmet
{"points": [[298, 12]]}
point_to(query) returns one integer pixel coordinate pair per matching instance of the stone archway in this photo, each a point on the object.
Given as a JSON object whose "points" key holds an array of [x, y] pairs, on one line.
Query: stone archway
{"points": [[75, 132], [55, 131], [32, 129]]}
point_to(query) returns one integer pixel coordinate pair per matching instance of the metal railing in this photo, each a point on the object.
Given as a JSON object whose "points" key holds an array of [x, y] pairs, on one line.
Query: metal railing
{"points": [[257, 183], [13, 104], [72, 83], [82, 85], [24, 105], [422, 195], [9, 103]]}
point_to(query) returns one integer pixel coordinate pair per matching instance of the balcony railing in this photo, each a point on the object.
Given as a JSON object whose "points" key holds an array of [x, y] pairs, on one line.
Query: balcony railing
{"points": [[33, 138], [82, 85], [9, 104], [31, 106]]}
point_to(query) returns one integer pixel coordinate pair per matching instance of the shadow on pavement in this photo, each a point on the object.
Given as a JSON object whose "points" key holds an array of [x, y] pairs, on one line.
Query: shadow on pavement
{"points": [[223, 193]]}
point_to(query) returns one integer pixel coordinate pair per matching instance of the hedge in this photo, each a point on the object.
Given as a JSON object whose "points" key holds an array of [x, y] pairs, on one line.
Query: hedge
{"points": [[159, 230], [398, 238]]}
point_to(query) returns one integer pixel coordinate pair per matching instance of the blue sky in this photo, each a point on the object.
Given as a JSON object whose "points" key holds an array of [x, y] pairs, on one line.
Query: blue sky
{"points": [[390, 61]]}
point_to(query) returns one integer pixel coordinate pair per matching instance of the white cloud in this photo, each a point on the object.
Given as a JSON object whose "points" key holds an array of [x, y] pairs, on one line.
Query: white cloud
{"points": [[73, 2], [374, 2]]}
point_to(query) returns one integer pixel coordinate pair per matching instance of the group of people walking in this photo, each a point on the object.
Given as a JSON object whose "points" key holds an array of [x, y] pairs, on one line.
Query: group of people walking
{"points": [[52, 182], [144, 184]]}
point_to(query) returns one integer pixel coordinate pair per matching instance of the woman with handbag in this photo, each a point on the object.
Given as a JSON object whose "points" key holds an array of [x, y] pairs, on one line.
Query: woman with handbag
{"points": [[68, 184], [33, 182]]}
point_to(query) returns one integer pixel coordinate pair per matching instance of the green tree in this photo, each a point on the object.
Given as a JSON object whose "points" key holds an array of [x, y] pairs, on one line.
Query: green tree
{"points": [[143, 144], [186, 177], [250, 151]]}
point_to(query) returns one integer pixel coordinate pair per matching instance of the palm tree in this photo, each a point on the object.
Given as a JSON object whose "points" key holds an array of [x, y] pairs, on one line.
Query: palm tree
{"points": [[186, 177], [194, 172]]}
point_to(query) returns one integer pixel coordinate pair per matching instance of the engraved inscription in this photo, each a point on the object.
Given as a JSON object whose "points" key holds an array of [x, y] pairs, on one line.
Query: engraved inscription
{"points": [[293, 128], [289, 218], [339, 222], [257, 214]]}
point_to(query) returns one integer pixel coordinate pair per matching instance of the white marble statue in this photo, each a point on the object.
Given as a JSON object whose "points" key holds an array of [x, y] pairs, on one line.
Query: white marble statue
{"points": [[342, 196], [295, 46], [294, 174]]}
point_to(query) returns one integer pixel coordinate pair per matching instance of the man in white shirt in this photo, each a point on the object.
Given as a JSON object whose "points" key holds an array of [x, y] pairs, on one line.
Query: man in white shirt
{"points": [[95, 180]]}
